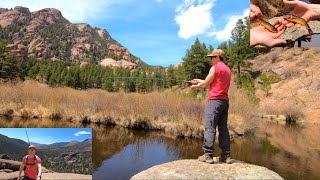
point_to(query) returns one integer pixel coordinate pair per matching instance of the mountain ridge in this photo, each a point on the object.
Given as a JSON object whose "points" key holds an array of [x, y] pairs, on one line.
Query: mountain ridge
{"points": [[47, 34]]}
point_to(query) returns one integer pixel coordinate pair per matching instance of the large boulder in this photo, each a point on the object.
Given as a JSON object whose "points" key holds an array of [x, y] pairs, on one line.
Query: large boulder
{"points": [[121, 63], [4, 156], [194, 169], [15, 165], [119, 51]]}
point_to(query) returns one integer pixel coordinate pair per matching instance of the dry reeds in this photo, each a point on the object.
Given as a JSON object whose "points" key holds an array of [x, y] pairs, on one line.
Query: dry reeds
{"points": [[169, 111]]}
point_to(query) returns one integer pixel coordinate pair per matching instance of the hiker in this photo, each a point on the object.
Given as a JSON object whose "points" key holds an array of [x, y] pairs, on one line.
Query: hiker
{"points": [[218, 82], [31, 165], [260, 35]]}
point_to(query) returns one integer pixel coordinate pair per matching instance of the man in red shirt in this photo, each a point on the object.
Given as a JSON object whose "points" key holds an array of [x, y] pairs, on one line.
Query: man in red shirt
{"points": [[218, 82], [31, 164]]}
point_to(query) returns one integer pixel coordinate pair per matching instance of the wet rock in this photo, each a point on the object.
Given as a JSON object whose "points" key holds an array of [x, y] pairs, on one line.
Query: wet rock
{"points": [[194, 169]]}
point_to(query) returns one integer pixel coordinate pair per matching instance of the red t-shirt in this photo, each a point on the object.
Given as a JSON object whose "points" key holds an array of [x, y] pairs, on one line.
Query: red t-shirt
{"points": [[221, 82], [31, 170]]}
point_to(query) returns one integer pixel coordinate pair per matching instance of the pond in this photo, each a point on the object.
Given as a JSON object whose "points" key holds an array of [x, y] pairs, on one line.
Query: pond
{"points": [[119, 153], [293, 152]]}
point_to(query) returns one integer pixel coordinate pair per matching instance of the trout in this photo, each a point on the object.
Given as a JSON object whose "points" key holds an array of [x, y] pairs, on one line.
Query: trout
{"points": [[267, 25], [296, 19]]}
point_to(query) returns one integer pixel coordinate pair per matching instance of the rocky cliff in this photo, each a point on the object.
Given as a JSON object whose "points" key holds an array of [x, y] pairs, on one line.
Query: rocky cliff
{"points": [[47, 34], [193, 169], [295, 83]]}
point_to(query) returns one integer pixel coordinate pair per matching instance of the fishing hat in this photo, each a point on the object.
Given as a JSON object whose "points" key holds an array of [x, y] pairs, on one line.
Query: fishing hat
{"points": [[32, 146], [216, 52]]}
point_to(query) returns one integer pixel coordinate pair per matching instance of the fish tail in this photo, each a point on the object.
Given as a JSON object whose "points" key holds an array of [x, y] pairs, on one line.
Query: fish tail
{"points": [[310, 31]]}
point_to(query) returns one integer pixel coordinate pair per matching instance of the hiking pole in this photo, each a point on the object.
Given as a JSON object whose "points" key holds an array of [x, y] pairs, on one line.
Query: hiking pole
{"points": [[27, 136]]}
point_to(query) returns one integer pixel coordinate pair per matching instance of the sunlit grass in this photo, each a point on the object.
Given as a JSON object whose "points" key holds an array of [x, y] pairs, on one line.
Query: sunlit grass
{"points": [[173, 112]]}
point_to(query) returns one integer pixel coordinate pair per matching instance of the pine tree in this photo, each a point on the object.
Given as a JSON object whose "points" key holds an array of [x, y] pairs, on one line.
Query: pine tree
{"points": [[8, 64], [266, 85], [239, 46], [196, 64]]}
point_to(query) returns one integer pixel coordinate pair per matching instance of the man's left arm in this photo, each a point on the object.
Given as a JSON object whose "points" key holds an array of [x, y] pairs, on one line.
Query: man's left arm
{"points": [[39, 171], [205, 83]]}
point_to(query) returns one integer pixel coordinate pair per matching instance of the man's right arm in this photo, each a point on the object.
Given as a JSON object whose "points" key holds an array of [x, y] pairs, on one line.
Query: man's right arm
{"points": [[20, 170]]}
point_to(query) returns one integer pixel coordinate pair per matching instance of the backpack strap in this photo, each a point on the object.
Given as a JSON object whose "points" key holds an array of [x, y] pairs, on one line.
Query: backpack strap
{"points": [[34, 161]]}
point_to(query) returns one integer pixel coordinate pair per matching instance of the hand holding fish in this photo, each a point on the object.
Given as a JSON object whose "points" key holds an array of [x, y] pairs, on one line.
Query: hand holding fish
{"points": [[301, 9], [262, 36], [254, 12]]}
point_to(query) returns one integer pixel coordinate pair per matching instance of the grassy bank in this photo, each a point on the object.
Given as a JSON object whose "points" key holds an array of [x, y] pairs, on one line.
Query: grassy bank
{"points": [[172, 112]]}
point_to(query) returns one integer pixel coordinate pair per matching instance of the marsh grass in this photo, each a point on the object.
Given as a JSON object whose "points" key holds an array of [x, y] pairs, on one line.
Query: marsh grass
{"points": [[173, 112]]}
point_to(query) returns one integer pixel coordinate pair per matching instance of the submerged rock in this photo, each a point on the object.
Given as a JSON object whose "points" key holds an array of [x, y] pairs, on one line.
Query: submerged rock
{"points": [[194, 169]]}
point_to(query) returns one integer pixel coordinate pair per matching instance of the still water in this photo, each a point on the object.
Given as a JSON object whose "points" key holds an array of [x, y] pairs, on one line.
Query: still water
{"points": [[118, 153], [293, 152]]}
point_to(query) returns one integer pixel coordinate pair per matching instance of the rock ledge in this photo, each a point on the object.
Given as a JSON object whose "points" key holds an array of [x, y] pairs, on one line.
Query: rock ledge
{"points": [[193, 169]]}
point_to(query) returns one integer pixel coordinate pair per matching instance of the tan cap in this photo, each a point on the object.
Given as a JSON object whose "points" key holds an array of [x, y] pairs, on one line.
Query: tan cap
{"points": [[216, 52], [32, 146]]}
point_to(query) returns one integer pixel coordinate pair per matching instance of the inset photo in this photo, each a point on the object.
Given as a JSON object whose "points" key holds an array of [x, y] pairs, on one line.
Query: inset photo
{"points": [[285, 23], [45, 153]]}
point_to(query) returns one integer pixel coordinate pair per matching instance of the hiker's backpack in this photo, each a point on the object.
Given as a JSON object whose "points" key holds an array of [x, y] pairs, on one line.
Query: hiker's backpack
{"points": [[34, 162]]}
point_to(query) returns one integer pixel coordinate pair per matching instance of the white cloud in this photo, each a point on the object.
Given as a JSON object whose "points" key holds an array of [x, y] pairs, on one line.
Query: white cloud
{"points": [[224, 34], [159, 1], [75, 11], [194, 19], [82, 133]]}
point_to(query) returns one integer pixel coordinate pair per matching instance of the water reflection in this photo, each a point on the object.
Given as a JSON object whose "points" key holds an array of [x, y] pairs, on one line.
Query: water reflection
{"points": [[121, 153], [36, 123]]}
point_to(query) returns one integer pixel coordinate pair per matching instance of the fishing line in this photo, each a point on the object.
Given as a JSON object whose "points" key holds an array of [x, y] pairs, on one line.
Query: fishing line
{"points": [[128, 77], [27, 136]]}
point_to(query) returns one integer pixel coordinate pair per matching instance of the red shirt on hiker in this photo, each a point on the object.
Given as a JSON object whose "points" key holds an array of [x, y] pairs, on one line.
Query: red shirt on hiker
{"points": [[31, 166], [221, 83]]}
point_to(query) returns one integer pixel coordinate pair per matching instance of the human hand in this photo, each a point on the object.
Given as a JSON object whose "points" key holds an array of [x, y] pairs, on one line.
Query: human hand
{"points": [[261, 36], [195, 81], [301, 9], [18, 178], [254, 12]]}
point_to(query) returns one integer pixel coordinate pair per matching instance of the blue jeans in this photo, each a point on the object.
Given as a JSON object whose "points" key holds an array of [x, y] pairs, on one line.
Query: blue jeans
{"points": [[217, 115]]}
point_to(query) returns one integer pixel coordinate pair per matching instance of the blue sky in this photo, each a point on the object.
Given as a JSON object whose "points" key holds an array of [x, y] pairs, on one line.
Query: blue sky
{"points": [[157, 31], [48, 135]]}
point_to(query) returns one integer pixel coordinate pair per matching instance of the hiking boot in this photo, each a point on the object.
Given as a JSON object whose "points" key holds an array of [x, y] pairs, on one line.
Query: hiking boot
{"points": [[228, 160], [206, 158]]}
